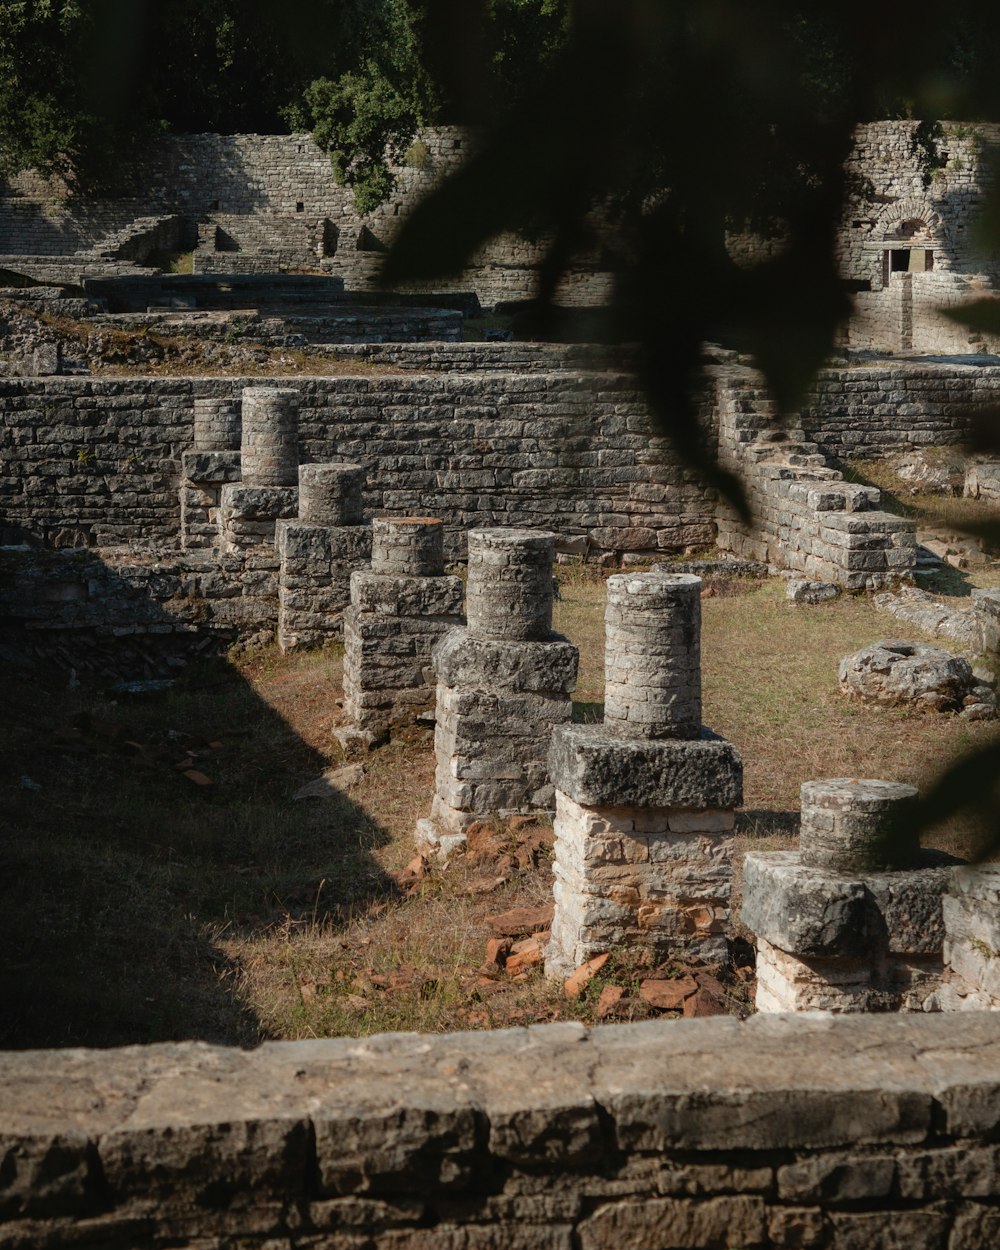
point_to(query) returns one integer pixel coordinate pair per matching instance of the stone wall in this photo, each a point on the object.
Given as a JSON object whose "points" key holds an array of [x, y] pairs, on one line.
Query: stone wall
{"points": [[869, 411], [805, 516], [552, 450], [786, 1133], [256, 204]]}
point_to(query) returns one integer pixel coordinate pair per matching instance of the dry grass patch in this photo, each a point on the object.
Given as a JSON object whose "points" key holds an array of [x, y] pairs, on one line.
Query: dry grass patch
{"points": [[141, 906]]}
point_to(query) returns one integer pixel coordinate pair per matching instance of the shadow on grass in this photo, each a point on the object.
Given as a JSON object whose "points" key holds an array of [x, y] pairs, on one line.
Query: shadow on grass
{"points": [[760, 823], [120, 868]]}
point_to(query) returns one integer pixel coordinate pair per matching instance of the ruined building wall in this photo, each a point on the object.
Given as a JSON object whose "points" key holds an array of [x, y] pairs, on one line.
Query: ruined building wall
{"points": [[560, 450], [254, 204], [571, 452], [778, 1132]]}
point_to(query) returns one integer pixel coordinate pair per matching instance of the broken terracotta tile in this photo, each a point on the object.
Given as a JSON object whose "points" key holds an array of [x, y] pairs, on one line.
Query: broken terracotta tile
{"points": [[574, 985], [520, 921], [669, 994]]}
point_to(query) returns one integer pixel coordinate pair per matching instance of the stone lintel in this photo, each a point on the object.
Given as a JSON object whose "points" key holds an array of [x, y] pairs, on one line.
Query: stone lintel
{"points": [[814, 912], [211, 466], [388, 594], [595, 767], [464, 661]]}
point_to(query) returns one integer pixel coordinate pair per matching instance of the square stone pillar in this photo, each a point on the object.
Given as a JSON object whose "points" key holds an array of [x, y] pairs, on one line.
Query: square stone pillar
{"points": [[853, 920], [503, 683], [398, 612], [318, 552], [645, 802]]}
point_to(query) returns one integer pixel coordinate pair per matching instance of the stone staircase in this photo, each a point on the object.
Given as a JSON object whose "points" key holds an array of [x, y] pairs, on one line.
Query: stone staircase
{"points": [[806, 517]]}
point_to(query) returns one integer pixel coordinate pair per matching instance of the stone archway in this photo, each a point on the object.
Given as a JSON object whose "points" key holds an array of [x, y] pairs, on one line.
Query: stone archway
{"points": [[911, 232]]}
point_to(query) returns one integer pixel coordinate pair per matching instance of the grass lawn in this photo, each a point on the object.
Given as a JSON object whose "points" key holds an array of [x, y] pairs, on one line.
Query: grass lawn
{"points": [[141, 904]]}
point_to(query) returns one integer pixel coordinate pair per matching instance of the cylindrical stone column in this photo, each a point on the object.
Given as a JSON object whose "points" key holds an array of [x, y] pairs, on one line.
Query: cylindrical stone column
{"points": [[852, 825], [217, 424], [331, 494], [408, 546], [270, 443], [509, 594], [652, 655]]}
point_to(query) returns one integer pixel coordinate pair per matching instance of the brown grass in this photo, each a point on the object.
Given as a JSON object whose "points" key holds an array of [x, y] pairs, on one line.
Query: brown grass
{"points": [[140, 906]]}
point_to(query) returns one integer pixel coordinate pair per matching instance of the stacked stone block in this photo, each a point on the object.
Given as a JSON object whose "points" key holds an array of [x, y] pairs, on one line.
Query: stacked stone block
{"points": [[399, 611], [269, 470], [806, 517], [318, 552], [972, 940], [213, 462], [503, 683], [853, 920], [645, 802]]}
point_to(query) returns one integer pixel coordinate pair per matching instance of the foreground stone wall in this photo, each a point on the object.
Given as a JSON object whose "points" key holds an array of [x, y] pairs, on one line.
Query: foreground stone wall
{"points": [[711, 1134]]}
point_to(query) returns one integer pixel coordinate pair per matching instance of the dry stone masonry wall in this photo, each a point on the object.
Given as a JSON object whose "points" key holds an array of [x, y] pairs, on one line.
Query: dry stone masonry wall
{"points": [[807, 518], [644, 802], [777, 1133]]}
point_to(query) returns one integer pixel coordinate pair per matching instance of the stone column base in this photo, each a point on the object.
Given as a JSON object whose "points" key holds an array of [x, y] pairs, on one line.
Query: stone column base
{"points": [[497, 703], [204, 473], [390, 631], [643, 848], [249, 515]]}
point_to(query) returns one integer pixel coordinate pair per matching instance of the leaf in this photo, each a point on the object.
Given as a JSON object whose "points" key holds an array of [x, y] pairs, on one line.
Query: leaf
{"points": [[981, 314], [972, 787]]}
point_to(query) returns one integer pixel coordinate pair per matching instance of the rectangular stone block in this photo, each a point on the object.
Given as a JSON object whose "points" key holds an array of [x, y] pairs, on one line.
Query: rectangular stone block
{"points": [[597, 769]]}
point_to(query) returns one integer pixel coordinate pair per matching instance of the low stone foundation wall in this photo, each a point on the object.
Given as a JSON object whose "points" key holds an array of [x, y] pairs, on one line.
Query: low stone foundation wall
{"points": [[707, 1134]]}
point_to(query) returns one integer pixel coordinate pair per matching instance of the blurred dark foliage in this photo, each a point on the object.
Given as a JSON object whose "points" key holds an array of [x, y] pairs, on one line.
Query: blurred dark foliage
{"points": [[644, 129], [659, 127]]}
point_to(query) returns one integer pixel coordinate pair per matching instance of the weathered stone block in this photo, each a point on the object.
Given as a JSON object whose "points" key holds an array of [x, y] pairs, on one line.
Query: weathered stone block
{"points": [[461, 660], [211, 466], [594, 767]]}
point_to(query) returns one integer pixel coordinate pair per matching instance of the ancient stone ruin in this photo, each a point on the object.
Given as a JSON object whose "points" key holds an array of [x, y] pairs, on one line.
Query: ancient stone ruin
{"points": [[895, 672], [503, 682], [853, 920], [399, 609], [318, 552], [644, 802]]}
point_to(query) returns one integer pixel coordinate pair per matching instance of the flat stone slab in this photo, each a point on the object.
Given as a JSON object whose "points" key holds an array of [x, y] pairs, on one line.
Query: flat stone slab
{"points": [[597, 768]]}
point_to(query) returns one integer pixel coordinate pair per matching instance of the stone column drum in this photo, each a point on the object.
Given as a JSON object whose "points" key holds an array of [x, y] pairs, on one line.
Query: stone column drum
{"points": [[644, 802], [213, 462], [269, 470], [217, 423], [318, 552], [852, 921], [399, 611], [502, 684]]}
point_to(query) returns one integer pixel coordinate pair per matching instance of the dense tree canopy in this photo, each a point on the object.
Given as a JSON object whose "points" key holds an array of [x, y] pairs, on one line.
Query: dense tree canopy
{"points": [[81, 79]]}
